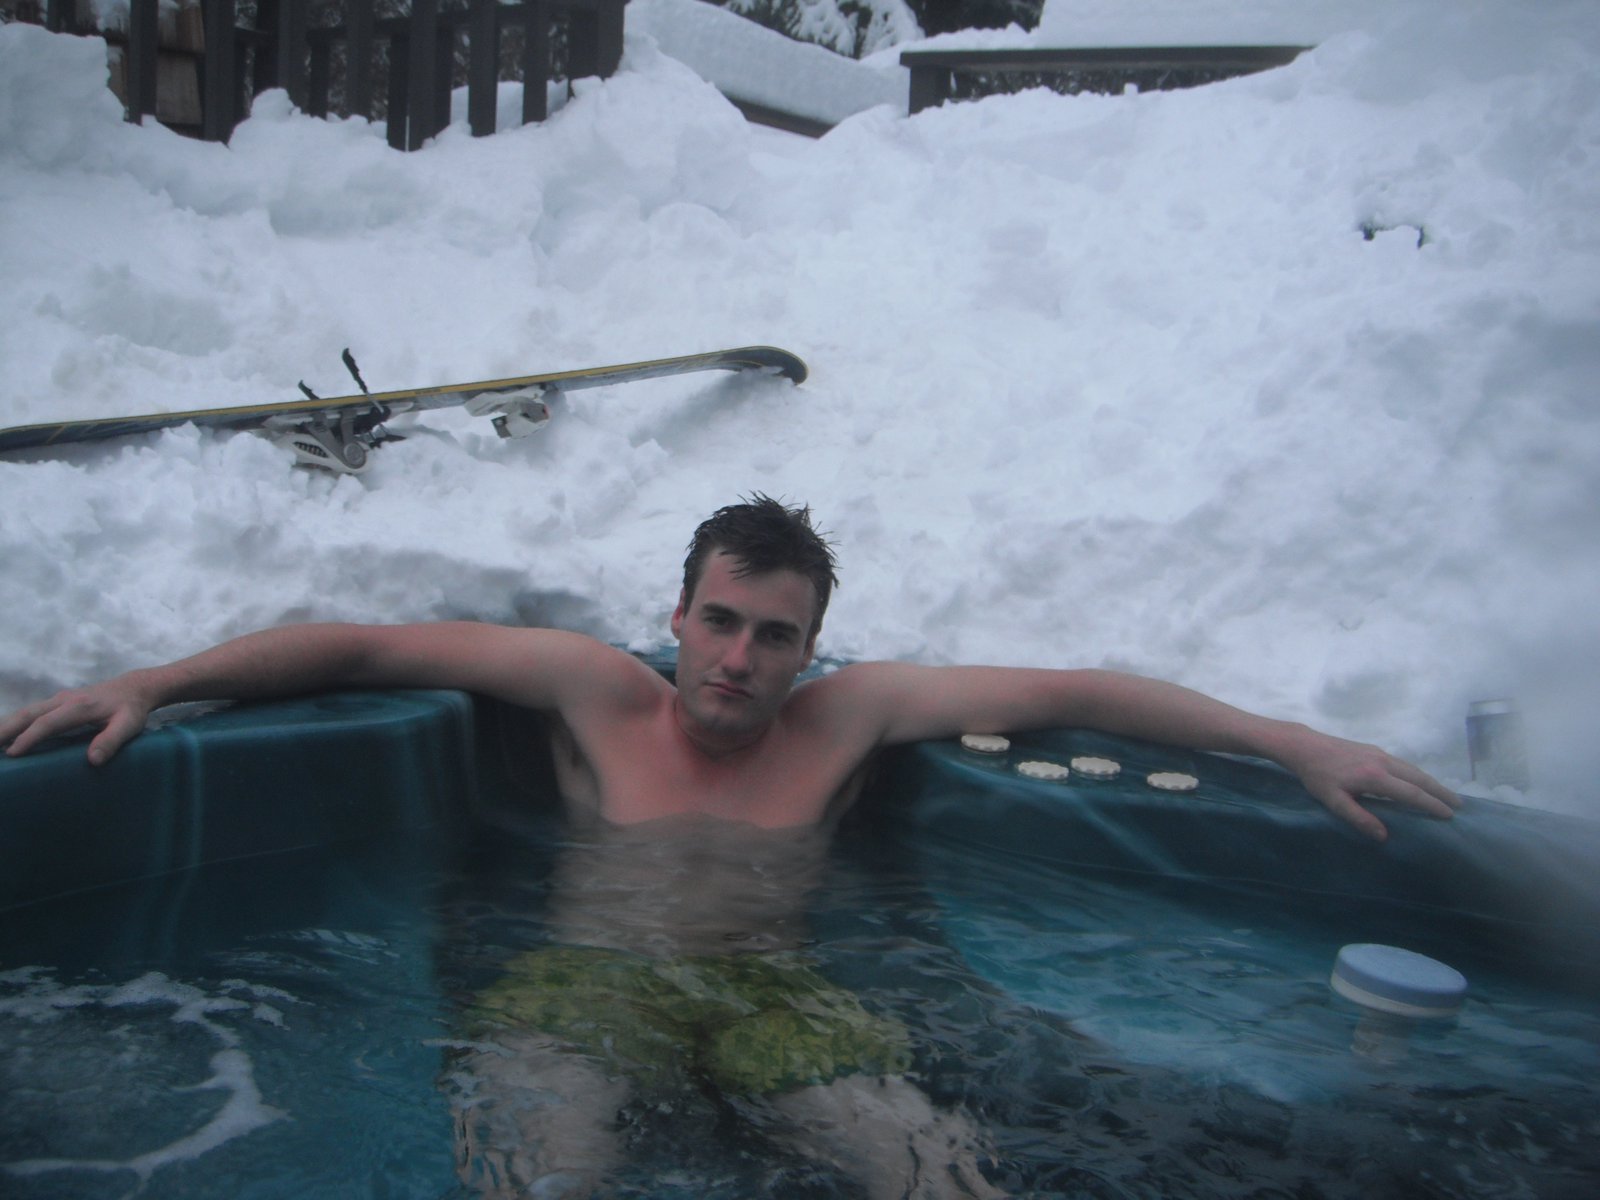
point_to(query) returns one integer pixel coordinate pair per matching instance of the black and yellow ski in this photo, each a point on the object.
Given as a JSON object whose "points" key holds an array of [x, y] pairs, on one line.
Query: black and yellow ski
{"points": [[337, 433]]}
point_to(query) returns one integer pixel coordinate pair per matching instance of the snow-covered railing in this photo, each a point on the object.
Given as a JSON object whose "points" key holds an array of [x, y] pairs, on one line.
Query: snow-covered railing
{"points": [[421, 58], [285, 50], [940, 75]]}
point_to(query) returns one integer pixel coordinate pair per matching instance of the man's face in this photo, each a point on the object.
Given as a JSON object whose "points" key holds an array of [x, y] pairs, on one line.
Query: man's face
{"points": [[742, 641]]}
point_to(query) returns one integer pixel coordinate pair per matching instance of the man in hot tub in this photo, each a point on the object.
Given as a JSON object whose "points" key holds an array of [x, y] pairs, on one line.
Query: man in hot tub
{"points": [[734, 770]]}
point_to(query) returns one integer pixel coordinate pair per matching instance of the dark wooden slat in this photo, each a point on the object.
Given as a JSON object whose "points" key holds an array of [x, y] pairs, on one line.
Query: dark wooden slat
{"points": [[535, 61], [483, 66], [594, 38], [607, 25], [62, 16], [933, 72], [142, 55], [399, 88], [264, 60], [291, 34], [1131, 57], [444, 67], [358, 58], [776, 118], [421, 69], [319, 76], [220, 69]]}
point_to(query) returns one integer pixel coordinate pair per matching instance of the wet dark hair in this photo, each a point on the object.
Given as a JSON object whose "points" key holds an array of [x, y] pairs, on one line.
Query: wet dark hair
{"points": [[764, 535]]}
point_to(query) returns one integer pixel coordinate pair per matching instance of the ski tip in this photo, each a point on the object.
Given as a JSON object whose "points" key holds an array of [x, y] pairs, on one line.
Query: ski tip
{"points": [[796, 371], [791, 366]]}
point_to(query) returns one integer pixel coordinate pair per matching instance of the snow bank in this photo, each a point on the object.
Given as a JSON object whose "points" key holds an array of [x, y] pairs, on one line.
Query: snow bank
{"points": [[1281, 388]]}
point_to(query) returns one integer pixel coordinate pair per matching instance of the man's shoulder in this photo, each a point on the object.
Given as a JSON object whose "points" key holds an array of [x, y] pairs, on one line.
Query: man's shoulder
{"points": [[548, 668], [857, 677], [853, 690], [625, 677]]}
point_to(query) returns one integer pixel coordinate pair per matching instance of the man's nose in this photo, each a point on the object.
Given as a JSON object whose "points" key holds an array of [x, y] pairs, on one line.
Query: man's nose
{"points": [[737, 660]]}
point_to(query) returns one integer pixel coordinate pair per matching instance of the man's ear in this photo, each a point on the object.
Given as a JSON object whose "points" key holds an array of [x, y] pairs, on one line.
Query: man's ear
{"points": [[677, 614], [811, 650]]}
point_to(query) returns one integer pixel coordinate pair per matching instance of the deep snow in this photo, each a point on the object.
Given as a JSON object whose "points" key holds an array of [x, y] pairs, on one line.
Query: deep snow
{"points": [[1096, 381]]}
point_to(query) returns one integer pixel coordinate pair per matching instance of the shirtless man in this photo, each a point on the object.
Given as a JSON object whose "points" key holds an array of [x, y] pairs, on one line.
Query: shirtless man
{"points": [[735, 742]]}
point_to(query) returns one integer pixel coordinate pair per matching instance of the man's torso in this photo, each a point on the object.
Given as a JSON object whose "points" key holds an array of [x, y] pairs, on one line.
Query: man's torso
{"points": [[637, 765]]}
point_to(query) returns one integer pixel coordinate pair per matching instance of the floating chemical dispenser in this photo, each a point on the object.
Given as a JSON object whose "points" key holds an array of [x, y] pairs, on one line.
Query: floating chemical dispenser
{"points": [[1394, 988]]}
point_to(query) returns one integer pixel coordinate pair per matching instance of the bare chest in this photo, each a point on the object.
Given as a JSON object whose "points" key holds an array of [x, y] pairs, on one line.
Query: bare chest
{"points": [[643, 771]]}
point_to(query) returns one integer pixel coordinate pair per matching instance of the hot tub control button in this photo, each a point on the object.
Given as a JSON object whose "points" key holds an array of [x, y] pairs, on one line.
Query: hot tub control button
{"points": [[985, 743], [1038, 769], [1096, 768], [1172, 781]]}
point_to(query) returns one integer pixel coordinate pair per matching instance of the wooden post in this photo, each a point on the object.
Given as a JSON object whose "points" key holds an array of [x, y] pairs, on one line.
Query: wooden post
{"points": [[220, 98], [594, 38], [319, 76], [399, 88], [444, 69], [421, 68], [265, 48], [609, 21], [62, 16], [358, 59], [930, 87], [144, 38], [535, 61], [291, 38], [483, 66]]}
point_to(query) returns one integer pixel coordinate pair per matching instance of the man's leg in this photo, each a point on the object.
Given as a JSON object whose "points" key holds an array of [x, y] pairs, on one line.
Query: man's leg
{"points": [[885, 1133], [532, 1119]]}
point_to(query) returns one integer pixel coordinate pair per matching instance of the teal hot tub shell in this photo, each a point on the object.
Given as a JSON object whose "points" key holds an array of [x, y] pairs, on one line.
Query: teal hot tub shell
{"points": [[335, 770], [283, 808], [235, 783], [1511, 883]]}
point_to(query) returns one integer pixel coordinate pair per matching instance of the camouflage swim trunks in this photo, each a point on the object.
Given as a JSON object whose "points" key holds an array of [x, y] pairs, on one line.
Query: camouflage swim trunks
{"points": [[752, 1024]]}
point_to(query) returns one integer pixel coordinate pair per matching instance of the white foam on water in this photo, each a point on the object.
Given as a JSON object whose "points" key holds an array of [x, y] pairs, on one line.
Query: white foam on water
{"points": [[40, 998]]}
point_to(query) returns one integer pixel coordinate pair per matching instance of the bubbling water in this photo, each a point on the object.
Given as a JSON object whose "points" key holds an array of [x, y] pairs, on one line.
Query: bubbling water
{"points": [[123, 1051]]}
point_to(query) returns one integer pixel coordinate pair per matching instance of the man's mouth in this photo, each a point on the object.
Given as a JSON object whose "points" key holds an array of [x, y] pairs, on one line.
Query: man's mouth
{"points": [[727, 689]]}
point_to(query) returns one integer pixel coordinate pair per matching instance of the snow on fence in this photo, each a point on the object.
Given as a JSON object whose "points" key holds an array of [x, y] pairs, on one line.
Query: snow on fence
{"points": [[222, 63]]}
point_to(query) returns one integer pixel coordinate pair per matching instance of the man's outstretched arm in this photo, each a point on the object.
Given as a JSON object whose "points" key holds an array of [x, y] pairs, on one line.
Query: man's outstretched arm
{"points": [[910, 702], [540, 668]]}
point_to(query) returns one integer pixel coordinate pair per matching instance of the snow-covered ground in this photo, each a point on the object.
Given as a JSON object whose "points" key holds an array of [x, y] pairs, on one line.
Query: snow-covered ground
{"points": [[1104, 381]]}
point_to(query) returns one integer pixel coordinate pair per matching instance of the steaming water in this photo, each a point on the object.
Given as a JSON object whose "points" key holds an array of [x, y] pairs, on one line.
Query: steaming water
{"points": [[281, 1028]]}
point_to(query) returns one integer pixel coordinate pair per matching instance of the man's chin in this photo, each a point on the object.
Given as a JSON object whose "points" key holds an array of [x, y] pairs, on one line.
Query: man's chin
{"points": [[728, 715]]}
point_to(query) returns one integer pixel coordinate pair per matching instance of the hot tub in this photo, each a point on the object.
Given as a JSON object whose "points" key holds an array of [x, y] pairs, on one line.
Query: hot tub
{"points": [[233, 962]]}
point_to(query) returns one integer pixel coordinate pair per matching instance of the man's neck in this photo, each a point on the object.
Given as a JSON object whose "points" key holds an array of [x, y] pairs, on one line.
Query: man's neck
{"points": [[711, 744]]}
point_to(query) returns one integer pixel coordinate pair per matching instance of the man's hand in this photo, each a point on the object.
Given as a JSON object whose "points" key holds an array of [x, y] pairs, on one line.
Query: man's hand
{"points": [[1338, 773], [117, 708]]}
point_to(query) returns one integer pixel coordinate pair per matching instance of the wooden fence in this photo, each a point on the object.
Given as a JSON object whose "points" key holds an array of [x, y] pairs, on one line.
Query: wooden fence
{"points": [[418, 52]]}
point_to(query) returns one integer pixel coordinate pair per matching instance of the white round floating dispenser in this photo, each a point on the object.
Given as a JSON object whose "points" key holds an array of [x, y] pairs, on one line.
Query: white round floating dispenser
{"points": [[1038, 769], [1096, 768], [1399, 982], [985, 743], [1172, 781]]}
